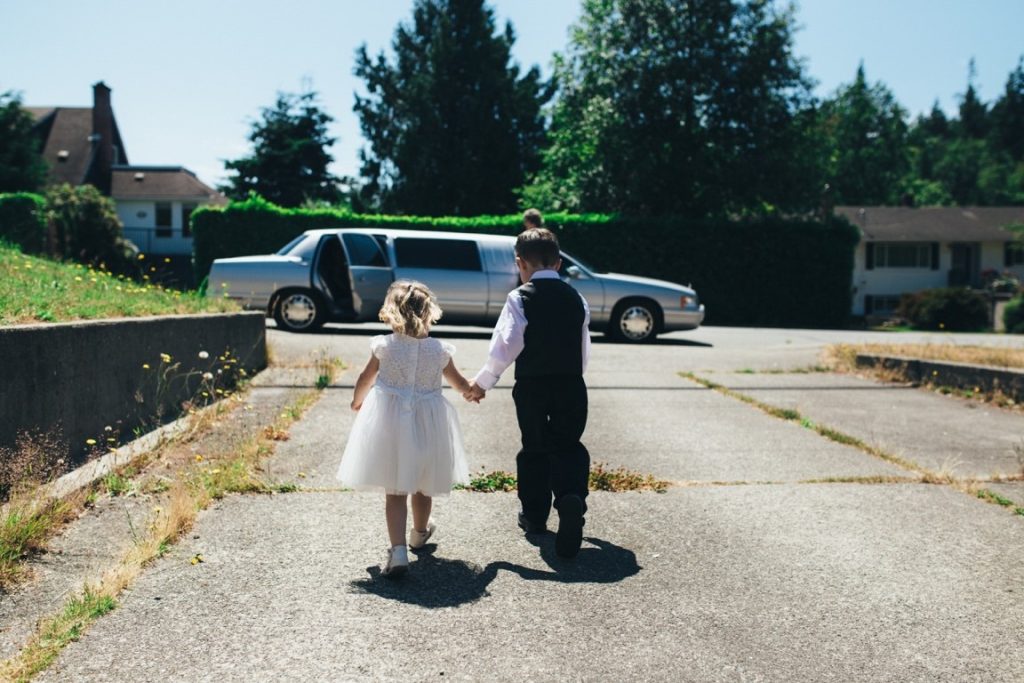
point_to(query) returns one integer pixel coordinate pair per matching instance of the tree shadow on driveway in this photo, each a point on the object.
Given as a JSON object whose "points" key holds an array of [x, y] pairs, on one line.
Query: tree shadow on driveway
{"points": [[436, 582]]}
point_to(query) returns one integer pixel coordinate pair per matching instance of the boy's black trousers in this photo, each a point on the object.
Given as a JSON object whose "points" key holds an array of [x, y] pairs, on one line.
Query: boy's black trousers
{"points": [[552, 414]]}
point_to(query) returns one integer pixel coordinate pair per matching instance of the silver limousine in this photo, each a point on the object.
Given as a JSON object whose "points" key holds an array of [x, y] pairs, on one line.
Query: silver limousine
{"points": [[342, 275]]}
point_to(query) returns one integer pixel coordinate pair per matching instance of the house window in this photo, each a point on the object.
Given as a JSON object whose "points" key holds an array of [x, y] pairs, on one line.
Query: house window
{"points": [[163, 219], [903, 255], [186, 217], [881, 304], [1013, 254]]}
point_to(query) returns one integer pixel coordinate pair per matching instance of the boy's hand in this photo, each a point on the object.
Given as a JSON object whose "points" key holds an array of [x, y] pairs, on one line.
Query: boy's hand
{"points": [[475, 393]]}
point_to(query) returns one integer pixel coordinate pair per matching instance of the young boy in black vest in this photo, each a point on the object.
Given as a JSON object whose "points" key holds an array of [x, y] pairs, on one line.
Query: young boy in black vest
{"points": [[543, 330]]}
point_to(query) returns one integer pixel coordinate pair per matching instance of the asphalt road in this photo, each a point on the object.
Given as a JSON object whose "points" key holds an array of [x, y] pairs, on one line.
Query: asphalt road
{"points": [[778, 555]]}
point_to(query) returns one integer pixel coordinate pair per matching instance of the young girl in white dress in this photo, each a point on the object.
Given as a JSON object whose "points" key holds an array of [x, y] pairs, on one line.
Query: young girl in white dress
{"points": [[406, 438]]}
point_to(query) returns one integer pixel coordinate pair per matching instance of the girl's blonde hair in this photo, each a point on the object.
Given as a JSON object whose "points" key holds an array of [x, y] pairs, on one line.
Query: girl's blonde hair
{"points": [[410, 308]]}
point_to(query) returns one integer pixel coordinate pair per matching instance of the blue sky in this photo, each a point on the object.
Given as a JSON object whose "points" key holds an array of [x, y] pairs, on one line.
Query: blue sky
{"points": [[188, 77]]}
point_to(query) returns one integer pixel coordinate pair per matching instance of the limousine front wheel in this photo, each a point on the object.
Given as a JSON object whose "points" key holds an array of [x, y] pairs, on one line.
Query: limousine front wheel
{"points": [[635, 321], [299, 311]]}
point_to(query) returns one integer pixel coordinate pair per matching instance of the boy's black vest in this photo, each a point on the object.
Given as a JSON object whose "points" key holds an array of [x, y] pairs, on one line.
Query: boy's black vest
{"points": [[553, 342]]}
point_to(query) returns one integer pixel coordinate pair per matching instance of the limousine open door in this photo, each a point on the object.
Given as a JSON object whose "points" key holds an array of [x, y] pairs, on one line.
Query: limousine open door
{"points": [[369, 273]]}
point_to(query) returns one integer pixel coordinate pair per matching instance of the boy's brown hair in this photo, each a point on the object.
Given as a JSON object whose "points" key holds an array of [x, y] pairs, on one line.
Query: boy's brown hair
{"points": [[538, 247]]}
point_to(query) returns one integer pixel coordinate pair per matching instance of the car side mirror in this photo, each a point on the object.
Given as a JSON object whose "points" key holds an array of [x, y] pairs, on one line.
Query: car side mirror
{"points": [[574, 272]]}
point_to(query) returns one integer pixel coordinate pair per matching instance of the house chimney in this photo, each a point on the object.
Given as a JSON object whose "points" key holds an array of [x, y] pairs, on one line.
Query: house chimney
{"points": [[101, 171]]}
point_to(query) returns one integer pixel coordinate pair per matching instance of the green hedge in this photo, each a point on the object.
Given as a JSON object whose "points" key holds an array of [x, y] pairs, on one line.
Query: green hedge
{"points": [[775, 273], [1013, 315], [23, 220]]}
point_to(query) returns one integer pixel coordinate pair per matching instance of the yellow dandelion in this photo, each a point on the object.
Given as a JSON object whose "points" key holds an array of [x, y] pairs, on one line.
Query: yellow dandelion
{"points": [[91, 442], [165, 357], [142, 256], [78, 278], [302, 475], [205, 393], [167, 260], [145, 366], [197, 558], [199, 458]]}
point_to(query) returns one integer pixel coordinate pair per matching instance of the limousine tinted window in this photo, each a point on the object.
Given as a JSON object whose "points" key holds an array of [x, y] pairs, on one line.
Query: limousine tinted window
{"points": [[418, 252], [363, 250]]}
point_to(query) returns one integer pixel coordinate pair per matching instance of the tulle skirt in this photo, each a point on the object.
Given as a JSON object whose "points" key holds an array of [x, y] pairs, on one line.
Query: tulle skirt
{"points": [[402, 443]]}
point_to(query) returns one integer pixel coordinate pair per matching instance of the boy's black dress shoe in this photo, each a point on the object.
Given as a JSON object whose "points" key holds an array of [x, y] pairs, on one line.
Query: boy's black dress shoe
{"points": [[570, 526], [531, 527]]}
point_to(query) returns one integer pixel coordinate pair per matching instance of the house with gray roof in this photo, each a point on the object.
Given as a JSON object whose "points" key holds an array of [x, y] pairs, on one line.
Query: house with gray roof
{"points": [[83, 145], [904, 250]]}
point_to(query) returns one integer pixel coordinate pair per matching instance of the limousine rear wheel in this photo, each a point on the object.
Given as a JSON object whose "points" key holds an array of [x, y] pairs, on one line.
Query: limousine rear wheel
{"points": [[299, 310], [635, 321]]}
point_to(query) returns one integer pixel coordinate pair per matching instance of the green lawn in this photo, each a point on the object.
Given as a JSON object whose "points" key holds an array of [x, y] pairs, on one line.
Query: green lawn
{"points": [[39, 290]]}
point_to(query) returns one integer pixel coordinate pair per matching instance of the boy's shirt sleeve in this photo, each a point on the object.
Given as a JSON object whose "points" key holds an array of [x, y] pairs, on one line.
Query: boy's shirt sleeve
{"points": [[507, 342]]}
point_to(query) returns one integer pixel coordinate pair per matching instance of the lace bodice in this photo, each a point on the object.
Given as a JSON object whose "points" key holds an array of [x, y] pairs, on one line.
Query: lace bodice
{"points": [[410, 363]]}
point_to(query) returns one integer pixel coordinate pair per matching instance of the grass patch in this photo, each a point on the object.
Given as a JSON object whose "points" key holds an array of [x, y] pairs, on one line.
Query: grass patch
{"points": [[601, 478], [56, 632], [26, 524], [992, 356], [489, 482], [994, 497], [116, 484], [36, 290]]}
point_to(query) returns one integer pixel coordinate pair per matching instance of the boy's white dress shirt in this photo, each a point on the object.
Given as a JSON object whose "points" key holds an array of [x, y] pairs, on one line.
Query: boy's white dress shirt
{"points": [[508, 339]]}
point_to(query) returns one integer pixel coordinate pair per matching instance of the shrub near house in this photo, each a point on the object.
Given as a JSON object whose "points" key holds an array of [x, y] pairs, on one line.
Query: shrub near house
{"points": [[956, 309]]}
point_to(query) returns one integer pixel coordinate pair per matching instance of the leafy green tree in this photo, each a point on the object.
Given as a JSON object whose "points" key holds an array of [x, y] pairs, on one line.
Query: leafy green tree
{"points": [[22, 168], [289, 159], [866, 132], [452, 126], [679, 107]]}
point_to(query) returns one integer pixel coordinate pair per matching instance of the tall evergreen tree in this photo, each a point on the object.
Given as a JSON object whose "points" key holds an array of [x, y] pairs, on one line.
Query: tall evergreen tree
{"points": [[21, 166], [452, 125], [866, 131], [679, 106], [1008, 116], [973, 112], [289, 159]]}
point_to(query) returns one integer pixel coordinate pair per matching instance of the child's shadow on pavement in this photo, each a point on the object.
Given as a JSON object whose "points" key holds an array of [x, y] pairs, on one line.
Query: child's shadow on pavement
{"points": [[436, 582]]}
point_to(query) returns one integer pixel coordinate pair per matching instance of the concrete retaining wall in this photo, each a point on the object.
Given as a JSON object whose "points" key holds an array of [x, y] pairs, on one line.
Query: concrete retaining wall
{"points": [[949, 374], [72, 380]]}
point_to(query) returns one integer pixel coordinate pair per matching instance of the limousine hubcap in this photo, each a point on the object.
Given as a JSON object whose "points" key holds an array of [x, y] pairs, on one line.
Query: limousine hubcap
{"points": [[636, 323], [298, 310]]}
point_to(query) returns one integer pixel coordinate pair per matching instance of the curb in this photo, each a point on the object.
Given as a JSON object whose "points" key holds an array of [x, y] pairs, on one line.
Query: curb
{"points": [[947, 373], [93, 470]]}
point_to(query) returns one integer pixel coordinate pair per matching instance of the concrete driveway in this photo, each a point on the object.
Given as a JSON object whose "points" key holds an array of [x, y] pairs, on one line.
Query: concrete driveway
{"points": [[778, 554]]}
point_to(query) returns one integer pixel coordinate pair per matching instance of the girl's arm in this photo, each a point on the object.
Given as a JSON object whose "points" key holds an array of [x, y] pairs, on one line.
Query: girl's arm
{"points": [[365, 381], [455, 378]]}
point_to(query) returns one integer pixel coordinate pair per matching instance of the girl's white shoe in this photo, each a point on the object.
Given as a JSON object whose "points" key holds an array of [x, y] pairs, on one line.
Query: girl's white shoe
{"points": [[397, 562], [418, 539]]}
